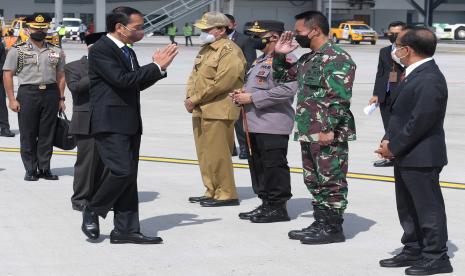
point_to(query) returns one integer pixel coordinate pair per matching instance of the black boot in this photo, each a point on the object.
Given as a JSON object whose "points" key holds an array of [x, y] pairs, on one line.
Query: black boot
{"points": [[314, 227], [271, 213], [331, 232], [6, 133], [256, 211]]}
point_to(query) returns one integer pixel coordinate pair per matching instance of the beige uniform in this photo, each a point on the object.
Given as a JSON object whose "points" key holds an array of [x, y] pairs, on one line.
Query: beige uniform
{"points": [[35, 65], [219, 69]]}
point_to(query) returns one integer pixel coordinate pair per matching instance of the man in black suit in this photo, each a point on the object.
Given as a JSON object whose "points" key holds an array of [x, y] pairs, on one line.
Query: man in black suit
{"points": [[387, 78], [4, 124], [88, 167], [248, 46], [415, 141], [116, 80]]}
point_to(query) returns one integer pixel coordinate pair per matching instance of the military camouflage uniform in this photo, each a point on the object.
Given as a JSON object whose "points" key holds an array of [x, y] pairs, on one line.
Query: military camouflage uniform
{"points": [[325, 79]]}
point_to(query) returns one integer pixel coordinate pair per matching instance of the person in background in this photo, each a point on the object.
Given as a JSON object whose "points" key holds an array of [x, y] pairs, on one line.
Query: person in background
{"points": [[387, 78], [82, 32], [188, 33], [61, 32], [88, 168], [172, 31], [4, 124]]}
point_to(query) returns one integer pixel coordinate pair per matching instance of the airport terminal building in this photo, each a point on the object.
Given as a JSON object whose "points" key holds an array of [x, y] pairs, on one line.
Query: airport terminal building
{"points": [[377, 13]]}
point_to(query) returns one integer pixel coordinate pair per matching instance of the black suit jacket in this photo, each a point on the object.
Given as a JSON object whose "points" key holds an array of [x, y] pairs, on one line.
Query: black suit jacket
{"points": [[77, 79], [115, 88], [2, 59], [416, 133], [247, 45], [385, 65]]}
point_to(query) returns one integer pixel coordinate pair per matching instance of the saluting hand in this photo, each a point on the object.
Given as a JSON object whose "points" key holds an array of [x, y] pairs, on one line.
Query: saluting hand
{"points": [[164, 57], [14, 105], [286, 43]]}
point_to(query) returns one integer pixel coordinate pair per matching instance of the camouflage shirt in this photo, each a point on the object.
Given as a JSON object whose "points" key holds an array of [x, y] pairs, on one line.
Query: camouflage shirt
{"points": [[325, 78]]}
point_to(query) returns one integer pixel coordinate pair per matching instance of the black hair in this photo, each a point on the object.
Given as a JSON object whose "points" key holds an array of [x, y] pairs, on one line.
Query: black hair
{"points": [[315, 18], [120, 15], [422, 40], [397, 24], [230, 17]]}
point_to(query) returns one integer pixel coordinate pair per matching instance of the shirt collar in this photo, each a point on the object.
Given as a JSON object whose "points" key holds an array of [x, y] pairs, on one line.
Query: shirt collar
{"points": [[415, 65], [217, 44], [323, 47], [231, 34], [118, 42]]}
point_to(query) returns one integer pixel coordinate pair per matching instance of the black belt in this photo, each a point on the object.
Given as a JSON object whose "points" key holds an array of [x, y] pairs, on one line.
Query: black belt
{"points": [[40, 86]]}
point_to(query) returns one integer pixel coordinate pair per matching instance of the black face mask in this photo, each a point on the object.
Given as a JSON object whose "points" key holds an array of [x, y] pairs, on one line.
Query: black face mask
{"points": [[261, 42], [38, 36], [303, 41], [392, 37]]}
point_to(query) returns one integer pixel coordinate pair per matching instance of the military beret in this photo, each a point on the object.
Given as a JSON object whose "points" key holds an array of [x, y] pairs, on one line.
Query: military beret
{"points": [[263, 26]]}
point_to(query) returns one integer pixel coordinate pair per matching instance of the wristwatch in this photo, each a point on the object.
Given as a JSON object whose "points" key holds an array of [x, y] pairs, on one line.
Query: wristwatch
{"points": [[61, 98]]}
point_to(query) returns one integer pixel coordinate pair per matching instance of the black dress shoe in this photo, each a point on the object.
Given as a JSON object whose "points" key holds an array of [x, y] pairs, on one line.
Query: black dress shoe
{"points": [[243, 154], [430, 267], [196, 199], [5, 132], [47, 174], [138, 238], [31, 176], [383, 163], [219, 203], [248, 215], [90, 224], [271, 213], [400, 260]]}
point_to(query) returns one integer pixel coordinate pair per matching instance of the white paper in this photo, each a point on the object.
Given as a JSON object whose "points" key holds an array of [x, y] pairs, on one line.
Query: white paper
{"points": [[370, 108]]}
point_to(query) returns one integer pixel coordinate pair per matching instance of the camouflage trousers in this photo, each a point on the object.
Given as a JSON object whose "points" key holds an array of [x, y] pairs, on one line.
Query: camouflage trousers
{"points": [[325, 170]]}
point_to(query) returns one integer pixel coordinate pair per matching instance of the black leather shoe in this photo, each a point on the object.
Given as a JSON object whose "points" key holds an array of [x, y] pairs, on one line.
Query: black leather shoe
{"points": [[196, 199], [138, 238], [243, 154], [31, 176], [430, 266], [400, 260], [47, 174], [5, 132], [383, 163], [90, 224], [219, 203], [271, 213], [248, 215]]}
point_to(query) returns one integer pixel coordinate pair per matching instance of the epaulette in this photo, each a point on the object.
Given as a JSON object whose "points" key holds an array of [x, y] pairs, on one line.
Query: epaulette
{"points": [[54, 45], [18, 44]]}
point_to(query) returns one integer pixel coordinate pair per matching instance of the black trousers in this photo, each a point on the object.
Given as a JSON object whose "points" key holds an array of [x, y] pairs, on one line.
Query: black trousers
{"points": [[189, 39], [4, 124], [385, 109], [118, 187], [421, 210], [88, 170], [271, 178], [37, 120], [240, 133]]}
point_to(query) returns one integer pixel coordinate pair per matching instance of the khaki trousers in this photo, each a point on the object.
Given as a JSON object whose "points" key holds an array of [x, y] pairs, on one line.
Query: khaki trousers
{"points": [[214, 141]]}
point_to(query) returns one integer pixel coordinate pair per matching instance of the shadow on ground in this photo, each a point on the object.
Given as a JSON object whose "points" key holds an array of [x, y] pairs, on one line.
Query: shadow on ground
{"points": [[68, 171], [152, 226], [145, 196]]}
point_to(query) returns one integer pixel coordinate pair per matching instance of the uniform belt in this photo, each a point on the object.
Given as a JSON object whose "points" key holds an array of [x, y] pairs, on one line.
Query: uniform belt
{"points": [[40, 86]]}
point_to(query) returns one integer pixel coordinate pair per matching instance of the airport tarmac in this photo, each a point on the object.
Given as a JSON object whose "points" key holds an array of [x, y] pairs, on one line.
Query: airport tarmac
{"points": [[40, 233]]}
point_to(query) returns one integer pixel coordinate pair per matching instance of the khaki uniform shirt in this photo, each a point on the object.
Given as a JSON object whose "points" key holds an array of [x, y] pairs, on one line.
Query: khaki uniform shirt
{"points": [[219, 68], [35, 65]]}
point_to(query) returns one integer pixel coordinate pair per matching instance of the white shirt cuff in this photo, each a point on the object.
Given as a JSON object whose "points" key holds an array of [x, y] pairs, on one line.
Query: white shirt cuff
{"points": [[159, 68]]}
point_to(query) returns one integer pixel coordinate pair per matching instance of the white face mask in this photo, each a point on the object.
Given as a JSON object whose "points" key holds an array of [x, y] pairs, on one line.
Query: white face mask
{"points": [[206, 38], [394, 57]]}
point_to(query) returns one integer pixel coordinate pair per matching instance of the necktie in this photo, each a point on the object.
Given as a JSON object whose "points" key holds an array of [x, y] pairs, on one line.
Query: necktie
{"points": [[126, 52]]}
